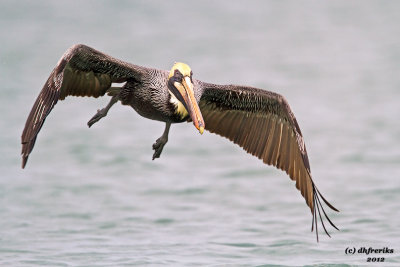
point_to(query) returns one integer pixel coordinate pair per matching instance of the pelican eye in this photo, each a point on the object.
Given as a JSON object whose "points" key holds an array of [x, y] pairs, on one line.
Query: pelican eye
{"points": [[178, 76]]}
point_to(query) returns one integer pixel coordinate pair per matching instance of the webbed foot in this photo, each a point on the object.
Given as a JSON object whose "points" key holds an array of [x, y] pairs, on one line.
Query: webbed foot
{"points": [[101, 113], [160, 142], [158, 146]]}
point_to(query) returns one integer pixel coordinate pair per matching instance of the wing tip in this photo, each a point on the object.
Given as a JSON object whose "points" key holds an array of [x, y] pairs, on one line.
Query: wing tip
{"points": [[326, 201], [316, 208], [24, 161]]}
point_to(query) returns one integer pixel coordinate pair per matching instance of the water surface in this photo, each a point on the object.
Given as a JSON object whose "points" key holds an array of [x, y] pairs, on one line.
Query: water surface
{"points": [[94, 197]]}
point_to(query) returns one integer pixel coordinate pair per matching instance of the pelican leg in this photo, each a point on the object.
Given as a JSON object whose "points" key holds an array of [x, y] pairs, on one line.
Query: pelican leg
{"points": [[160, 142], [103, 112]]}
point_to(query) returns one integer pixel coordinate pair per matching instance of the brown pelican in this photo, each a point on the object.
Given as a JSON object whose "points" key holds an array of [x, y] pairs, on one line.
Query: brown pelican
{"points": [[259, 121]]}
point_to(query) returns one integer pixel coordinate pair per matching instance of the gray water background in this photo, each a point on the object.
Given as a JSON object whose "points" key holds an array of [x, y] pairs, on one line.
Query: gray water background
{"points": [[94, 197]]}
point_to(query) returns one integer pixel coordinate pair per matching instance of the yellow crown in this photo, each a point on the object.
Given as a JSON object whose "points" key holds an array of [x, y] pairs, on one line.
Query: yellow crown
{"points": [[182, 67]]}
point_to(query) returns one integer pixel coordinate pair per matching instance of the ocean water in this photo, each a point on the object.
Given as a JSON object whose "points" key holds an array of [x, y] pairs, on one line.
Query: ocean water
{"points": [[94, 197]]}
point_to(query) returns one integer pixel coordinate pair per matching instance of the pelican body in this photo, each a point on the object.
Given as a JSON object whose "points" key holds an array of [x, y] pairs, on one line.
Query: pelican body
{"points": [[155, 94], [259, 121]]}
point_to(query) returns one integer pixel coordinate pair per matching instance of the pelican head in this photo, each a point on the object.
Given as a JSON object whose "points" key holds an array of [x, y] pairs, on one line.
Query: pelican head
{"points": [[180, 85]]}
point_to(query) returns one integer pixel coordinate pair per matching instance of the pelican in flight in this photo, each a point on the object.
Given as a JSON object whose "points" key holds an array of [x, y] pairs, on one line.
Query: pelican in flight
{"points": [[259, 121]]}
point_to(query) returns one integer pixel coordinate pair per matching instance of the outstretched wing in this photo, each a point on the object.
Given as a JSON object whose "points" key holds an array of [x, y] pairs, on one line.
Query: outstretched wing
{"points": [[262, 123], [81, 71]]}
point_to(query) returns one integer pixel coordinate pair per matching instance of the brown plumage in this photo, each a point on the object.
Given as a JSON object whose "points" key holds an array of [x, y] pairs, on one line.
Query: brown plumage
{"points": [[262, 123], [81, 71], [259, 121]]}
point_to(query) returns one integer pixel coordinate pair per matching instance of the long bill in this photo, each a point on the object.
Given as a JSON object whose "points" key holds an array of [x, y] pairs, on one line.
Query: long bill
{"points": [[186, 90]]}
